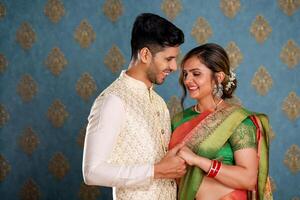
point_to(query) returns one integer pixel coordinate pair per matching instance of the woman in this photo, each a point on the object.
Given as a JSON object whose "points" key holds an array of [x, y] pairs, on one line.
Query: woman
{"points": [[226, 145]]}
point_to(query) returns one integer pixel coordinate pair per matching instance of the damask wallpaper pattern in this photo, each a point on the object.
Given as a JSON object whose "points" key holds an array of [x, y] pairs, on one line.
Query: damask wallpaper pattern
{"points": [[56, 56]]}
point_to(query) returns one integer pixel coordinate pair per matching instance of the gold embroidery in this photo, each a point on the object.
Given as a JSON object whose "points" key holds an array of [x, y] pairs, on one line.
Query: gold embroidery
{"points": [[57, 114], [84, 34], [4, 168], [88, 192], [201, 30], [243, 137], [289, 7], [25, 36], [29, 141], [260, 29], [143, 119], [234, 54], [171, 8], [54, 10], [114, 59], [290, 54], [56, 61], [4, 115], [27, 88], [30, 191], [2, 10], [230, 7], [291, 106], [207, 126], [262, 81], [3, 63], [59, 166], [292, 158], [86, 86], [113, 9], [272, 134]]}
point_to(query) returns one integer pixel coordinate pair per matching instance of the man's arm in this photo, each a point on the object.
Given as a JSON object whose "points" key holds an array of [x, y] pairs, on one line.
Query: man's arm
{"points": [[104, 125]]}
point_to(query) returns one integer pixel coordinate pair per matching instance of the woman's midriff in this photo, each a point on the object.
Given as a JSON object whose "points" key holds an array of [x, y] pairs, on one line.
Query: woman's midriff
{"points": [[212, 190]]}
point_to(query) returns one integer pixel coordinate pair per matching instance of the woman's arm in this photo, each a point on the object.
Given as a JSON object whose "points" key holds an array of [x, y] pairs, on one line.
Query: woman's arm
{"points": [[242, 175]]}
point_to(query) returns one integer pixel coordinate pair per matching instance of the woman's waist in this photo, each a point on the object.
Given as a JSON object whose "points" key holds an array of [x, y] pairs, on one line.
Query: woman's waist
{"points": [[213, 189]]}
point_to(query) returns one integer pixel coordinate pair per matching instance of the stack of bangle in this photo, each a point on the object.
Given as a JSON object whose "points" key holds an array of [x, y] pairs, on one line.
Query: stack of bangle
{"points": [[214, 168]]}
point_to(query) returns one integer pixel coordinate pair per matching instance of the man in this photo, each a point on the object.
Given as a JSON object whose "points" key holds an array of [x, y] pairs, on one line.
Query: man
{"points": [[129, 123]]}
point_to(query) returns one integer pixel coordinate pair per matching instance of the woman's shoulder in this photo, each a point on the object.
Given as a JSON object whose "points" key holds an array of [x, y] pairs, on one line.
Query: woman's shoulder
{"points": [[247, 111], [250, 114]]}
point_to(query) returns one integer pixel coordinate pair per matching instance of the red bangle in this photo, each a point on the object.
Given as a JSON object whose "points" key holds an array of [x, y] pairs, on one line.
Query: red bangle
{"points": [[214, 168]]}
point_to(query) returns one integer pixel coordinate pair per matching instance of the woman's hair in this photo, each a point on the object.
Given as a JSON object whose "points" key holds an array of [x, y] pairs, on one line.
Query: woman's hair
{"points": [[216, 59]]}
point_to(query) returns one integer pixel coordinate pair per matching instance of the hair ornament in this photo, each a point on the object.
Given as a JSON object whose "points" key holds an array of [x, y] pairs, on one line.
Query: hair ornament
{"points": [[230, 83]]}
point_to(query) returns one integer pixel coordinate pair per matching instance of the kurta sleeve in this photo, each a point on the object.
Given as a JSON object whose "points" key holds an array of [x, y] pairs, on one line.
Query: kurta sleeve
{"points": [[104, 124]]}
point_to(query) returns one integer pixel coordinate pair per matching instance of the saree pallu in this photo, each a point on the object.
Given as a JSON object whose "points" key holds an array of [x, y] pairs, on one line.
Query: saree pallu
{"points": [[206, 133]]}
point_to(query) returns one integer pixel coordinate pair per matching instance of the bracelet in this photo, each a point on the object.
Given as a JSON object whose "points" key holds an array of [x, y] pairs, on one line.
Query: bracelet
{"points": [[214, 168]]}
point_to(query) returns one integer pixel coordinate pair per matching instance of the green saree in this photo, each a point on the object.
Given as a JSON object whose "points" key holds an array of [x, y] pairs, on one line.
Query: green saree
{"points": [[207, 134]]}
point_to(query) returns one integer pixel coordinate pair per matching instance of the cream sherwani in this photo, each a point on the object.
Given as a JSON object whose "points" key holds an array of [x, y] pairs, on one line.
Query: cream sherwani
{"points": [[128, 129]]}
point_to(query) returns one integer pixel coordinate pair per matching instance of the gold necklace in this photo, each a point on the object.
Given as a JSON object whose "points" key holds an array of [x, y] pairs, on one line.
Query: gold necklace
{"points": [[198, 111]]}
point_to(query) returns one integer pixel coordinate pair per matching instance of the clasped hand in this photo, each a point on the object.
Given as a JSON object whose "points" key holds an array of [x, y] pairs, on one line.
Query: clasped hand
{"points": [[173, 165]]}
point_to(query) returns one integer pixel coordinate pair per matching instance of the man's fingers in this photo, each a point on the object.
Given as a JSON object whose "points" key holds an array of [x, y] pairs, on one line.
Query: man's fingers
{"points": [[177, 148]]}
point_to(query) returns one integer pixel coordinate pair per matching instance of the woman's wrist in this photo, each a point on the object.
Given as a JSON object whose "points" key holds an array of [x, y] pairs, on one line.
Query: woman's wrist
{"points": [[203, 163]]}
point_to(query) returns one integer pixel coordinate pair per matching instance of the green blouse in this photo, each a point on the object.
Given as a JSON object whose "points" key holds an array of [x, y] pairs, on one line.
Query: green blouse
{"points": [[243, 137]]}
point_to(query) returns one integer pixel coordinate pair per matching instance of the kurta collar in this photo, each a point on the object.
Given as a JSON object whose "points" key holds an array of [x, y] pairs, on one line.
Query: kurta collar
{"points": [[134, 82]]}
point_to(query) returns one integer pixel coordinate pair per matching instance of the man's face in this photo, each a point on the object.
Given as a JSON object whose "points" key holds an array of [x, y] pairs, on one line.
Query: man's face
{"points": [[162, 64]]}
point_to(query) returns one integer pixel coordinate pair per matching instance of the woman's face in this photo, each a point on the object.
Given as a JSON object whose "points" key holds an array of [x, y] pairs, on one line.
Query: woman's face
{"points": [[197, 79]]}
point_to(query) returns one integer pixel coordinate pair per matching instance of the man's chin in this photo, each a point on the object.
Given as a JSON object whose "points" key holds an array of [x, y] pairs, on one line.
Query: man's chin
{"points": [[160, 82]]}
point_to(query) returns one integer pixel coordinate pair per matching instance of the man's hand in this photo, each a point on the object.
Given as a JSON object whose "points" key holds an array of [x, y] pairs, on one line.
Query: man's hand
{"points": [[188, 155], [171, 166]]}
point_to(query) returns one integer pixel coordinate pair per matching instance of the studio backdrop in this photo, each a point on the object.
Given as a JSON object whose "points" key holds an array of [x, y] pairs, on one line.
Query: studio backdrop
{"points": [[56, 56]]}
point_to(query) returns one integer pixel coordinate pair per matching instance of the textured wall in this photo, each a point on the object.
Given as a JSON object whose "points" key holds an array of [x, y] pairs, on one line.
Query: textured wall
{"points": [[57, 55]]}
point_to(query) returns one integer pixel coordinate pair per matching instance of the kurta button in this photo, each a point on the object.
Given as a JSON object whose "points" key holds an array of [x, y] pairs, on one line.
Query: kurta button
{"points": [[172, 183], [157, 113], [162, 131]]}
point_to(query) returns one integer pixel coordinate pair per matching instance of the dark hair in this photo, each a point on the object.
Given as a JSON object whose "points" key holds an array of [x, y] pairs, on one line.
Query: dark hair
{"points": [[152, 31], [216, 59]]}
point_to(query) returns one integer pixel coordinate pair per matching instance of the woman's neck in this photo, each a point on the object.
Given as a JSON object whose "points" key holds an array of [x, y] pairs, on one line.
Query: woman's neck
{"points": [[209, 103]]}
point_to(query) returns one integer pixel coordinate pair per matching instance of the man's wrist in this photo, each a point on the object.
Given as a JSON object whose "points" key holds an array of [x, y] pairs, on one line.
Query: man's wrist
{"points": [[157, 174]]}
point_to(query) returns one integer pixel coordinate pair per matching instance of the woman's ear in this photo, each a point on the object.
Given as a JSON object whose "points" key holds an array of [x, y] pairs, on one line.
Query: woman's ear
{"points": [[145, 55], [220, 76]]}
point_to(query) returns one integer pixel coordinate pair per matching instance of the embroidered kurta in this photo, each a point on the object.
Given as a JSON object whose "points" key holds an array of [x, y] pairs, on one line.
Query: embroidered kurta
{"points": [[128, 129]]}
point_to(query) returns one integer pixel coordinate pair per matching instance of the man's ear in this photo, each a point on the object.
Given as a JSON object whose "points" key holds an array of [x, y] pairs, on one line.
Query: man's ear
{"points": [[220, 76], [145, 55]]}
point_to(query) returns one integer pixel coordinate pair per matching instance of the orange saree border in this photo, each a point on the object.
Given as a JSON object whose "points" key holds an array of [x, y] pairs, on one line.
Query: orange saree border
{"points": [[183, 132]]}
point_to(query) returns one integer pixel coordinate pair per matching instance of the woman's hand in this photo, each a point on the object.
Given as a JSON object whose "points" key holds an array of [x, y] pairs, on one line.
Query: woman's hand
{"points": [[188, 155]]}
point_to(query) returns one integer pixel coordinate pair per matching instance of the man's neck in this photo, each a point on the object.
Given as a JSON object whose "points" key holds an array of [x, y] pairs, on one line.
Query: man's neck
{"points": [[137, 72]]}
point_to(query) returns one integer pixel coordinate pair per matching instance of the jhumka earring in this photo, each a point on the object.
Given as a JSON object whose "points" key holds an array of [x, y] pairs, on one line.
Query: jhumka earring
{"points": [[218, 90]]}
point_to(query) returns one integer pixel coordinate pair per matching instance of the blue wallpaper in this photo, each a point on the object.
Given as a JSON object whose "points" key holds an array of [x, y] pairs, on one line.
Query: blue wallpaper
{"points": [[43, 113]]}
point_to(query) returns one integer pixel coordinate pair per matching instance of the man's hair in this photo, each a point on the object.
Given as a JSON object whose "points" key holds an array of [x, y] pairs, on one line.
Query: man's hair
{"points": [[155, 33]]}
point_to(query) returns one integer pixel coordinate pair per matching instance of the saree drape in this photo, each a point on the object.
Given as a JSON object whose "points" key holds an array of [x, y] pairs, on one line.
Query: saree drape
{"points": [[206, 133]]}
